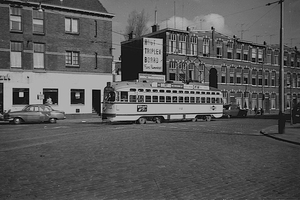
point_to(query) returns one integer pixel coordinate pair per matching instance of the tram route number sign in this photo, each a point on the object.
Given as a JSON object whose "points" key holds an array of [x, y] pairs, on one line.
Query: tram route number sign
{"points": [[141, 108]]}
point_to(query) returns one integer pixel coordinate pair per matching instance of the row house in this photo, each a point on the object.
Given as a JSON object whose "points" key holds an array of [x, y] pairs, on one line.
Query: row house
{"points": [[247, 73], [58, 51]]}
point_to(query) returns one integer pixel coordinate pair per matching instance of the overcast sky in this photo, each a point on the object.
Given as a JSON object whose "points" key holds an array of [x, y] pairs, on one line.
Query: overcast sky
{"points": [[250, 19]]}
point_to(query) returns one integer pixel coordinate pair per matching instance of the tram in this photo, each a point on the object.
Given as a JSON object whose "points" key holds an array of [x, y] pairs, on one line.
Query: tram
{"points": [[160, 101]]}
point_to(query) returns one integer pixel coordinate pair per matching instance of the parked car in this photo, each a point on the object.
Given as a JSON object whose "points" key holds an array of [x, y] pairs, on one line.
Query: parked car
{"points": [[34, 113], [296, 113], [233, 110]]}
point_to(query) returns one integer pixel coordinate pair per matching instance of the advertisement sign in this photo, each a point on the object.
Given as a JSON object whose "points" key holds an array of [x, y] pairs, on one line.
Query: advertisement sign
{"points": [[151, 77], [152, 55]]}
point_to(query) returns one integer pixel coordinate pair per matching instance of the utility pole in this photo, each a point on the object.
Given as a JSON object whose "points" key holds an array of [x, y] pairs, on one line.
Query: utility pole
{"points": [[281, 117], [281, 120]]}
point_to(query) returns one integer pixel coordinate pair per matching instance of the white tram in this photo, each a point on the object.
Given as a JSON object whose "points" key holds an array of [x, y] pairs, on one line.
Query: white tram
{"points": [[142, 101]]}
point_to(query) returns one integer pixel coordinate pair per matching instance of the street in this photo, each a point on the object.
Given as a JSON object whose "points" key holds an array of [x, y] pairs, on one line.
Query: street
{"points": [[221, 159]]}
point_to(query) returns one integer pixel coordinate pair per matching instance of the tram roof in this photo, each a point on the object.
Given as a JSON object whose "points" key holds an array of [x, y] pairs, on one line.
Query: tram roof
{"points": [[169, 85]]}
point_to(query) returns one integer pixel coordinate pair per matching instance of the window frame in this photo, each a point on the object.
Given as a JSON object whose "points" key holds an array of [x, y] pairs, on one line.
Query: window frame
{"points": [[69, 29]]}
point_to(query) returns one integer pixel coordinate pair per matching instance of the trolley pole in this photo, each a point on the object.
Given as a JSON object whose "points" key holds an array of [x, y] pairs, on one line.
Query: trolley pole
{"points": [[281, 117]]}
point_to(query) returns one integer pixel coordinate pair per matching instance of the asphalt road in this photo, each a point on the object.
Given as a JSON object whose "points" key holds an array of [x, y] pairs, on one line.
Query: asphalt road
{"points": [[221, 159]]}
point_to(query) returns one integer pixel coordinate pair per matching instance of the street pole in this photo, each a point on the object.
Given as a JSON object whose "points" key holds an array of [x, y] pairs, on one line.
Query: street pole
{"points": [[281, 117], [291, 101]]}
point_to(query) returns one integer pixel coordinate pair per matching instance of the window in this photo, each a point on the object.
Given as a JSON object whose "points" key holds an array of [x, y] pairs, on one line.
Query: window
{"points": [[20, 96], [148, 98], [238, 75], [15, 19], [219, 48], [77, 96], [231, 74], [260, 55], [223, 74], [269, 56], [161, 99], [72, 58], [38, 21], [273, 78], [205, 47], [38, 55], [260, 77], [172, 76], [254, 77], [172, 43], [230, 50], [246, 75], [186, 99], [132, 98], [168, 99], [140, 98], [245, 53], [207, 99], [192, 99], [124, 96], [202, 99], [266, 83], [238, 51], [253, 58], [50, 96], [276, 61], [71, 25], [182, 44], [172, 65], [174, 99], [193, 50], [16, 54], [180, 99]]}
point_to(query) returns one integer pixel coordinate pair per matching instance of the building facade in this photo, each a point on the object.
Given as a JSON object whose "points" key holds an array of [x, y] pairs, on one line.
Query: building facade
{"points": [[247, 73], [58, 51]]}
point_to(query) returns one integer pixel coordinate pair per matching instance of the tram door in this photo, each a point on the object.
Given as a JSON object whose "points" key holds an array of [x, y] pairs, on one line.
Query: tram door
{"points": [[213, 78]]}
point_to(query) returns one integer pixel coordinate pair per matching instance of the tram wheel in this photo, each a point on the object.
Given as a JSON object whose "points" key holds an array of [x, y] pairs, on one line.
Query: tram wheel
{"points": [[142, 120], [158, 120], [208, 118]]}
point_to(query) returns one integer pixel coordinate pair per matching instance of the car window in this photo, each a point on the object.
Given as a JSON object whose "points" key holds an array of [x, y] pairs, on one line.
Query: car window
{"points": [[30, 108], [48, 109]]}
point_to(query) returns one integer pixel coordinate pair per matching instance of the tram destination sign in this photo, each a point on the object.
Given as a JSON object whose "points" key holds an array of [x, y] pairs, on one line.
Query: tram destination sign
{"points": [[152, 55]]}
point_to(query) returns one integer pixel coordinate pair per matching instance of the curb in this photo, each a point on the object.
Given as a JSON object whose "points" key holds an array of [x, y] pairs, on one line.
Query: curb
{"points": [[277, 138]]}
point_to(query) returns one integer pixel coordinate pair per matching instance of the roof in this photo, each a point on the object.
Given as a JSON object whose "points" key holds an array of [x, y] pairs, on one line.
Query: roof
{"points": [[78, 5]]}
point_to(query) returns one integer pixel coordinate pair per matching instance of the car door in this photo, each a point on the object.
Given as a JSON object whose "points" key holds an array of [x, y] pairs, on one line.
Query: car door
{"points": [[31, 114], [44, 113]]}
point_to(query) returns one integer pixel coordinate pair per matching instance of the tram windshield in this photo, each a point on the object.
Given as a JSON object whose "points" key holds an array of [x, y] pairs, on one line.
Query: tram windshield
{"points": [[110, 96]]}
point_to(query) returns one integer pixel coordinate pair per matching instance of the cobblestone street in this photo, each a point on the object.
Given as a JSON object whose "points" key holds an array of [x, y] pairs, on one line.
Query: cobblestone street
{"points": [[221, 159]]}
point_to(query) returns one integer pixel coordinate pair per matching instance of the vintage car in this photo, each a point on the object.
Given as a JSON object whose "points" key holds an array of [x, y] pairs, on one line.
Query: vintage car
{"points": [[233, 110], [34, 113]]}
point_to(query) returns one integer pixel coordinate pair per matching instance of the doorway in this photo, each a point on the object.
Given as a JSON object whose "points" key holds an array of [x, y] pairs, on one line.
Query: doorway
{"points": [[96, 101], [213, 78]]}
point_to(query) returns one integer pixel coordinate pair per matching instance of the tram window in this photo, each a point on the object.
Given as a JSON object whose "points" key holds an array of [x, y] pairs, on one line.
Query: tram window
{"points": [[155, 98], [202, 92], [168, 91], [186, 99], [180, 91], [218, 93], [132, 89], [161, 98], [207, 92], [192, 92], [217, 100], [140, 98], [154, 90], [197, 92], [186, 92], [174, 91], [124, 96], [148, 90], [174, 99], [202, 99], [168, 99], [197, 99], [207, 100], [192, 99], [163, 91], [141, 90], [213, 100], [132, 98], [110, 96], [180, 99], [213, 93], [148, 98]]}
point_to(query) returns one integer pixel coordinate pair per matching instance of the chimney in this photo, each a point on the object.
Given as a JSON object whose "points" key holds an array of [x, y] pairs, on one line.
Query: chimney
{"points": [[131, 35], [155, 28]]}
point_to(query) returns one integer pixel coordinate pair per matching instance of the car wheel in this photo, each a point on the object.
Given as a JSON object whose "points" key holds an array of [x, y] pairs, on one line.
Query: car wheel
{"points": [[52, 120], [208, 118], [17, 120], [142, 120]]}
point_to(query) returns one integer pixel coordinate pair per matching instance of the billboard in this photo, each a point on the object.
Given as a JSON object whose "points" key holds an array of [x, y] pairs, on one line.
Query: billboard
{"points": [[152, 55]]}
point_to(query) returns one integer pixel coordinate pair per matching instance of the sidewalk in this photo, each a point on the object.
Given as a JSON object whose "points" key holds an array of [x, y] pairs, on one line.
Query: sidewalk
{"points": [[291, 133]]}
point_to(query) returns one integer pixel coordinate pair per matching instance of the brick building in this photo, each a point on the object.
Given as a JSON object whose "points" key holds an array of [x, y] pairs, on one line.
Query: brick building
{"points": [[247, 73], [58, 49]]}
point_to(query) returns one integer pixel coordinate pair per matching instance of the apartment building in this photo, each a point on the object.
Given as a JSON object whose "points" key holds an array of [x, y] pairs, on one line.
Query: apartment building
{"points": [[58, 50], [247, 73]]}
